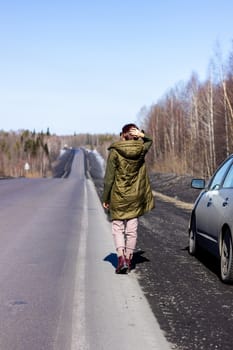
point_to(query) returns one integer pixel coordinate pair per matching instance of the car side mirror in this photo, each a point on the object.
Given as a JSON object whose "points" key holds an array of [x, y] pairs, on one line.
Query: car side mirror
{"points": [[198, 184]]}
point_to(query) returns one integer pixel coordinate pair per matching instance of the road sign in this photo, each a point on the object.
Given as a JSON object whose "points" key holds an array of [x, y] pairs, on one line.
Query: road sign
{"points": [[26, 166]]}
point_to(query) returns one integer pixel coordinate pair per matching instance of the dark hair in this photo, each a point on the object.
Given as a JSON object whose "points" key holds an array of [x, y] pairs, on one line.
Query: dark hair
{"points": [[126, 131]]}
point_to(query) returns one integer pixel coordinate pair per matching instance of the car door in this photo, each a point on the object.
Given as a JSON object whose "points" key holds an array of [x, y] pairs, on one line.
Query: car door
{"points": [[216, 213], [227, 198], [209, 210], [206, 212]]}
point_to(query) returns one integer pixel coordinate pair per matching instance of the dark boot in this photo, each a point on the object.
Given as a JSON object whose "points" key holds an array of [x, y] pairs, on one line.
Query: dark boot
{"points": [[128, 263], [122, 266]]}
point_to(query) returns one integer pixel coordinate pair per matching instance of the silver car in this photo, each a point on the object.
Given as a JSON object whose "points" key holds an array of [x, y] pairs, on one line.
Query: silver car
{"points": [[211, 221]]}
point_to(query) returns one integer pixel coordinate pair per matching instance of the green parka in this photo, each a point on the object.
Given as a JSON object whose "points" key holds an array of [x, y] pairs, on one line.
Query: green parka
{"points": [[126, 183]]}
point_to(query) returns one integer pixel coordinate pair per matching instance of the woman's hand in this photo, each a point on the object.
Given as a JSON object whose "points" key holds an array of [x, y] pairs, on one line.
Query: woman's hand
{"points": [[136, 132], [106, 205]]}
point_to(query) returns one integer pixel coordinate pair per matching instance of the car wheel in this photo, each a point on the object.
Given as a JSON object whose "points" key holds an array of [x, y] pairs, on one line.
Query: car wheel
{"points": [[193, 238], [226, 258]]}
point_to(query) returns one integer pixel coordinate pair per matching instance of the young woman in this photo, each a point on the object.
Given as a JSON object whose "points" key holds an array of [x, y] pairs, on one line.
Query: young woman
{"points": [[127, 192]]}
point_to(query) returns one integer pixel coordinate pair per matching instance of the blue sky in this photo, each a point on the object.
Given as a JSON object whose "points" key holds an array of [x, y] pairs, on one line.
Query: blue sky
{"points": [[90, 66]]}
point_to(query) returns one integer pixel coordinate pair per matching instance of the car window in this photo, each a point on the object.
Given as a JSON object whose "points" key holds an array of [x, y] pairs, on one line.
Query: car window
{"points": [[219, 176], [228, 182]]}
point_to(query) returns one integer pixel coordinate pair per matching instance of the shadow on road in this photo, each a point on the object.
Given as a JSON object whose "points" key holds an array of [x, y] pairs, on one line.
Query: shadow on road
{"points": [[138, 258], [208, 260]]}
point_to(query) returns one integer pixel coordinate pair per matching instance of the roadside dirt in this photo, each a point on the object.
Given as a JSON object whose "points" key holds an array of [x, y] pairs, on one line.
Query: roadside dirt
{"points": [[175, 186]]}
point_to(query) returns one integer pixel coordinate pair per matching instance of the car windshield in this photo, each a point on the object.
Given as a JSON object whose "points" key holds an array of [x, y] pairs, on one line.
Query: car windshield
{"points": [[228, 182], [220, 175]]}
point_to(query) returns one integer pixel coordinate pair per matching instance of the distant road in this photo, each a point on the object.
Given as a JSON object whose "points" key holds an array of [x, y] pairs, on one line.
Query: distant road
{"points": [[58, 286]]}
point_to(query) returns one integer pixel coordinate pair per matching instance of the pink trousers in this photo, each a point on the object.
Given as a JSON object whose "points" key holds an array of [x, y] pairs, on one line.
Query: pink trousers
{"points": [[125, 234]]}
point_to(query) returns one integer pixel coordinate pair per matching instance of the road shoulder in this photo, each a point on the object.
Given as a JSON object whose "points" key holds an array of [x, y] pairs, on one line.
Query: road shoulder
{"points": [[116, 312]]}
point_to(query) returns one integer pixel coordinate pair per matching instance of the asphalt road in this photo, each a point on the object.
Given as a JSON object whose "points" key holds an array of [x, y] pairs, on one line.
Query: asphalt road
{"points": [[57, 261], [39, 237], [193, 307], [58, 287]]}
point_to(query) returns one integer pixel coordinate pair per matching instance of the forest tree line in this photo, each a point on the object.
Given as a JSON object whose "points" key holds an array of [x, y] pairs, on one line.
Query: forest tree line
{"points": [[41, 151], [191, 127]]}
